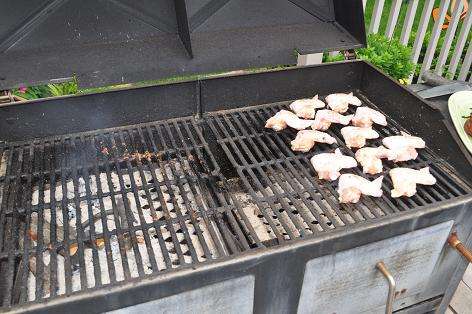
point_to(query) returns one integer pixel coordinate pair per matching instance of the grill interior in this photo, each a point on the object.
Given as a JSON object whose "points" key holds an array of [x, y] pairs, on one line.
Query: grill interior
{"points": [[94, 209]]}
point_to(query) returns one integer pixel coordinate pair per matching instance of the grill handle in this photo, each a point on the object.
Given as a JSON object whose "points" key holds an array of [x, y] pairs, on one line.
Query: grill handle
{"points": [[391, 286], [454, 241]]}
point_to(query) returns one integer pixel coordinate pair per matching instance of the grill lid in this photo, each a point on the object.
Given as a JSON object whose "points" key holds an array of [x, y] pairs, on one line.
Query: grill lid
{"points": [[121, 41]]}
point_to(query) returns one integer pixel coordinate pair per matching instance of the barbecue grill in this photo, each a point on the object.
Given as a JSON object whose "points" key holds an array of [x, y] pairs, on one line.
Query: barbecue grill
{"points": [[175, 197]]}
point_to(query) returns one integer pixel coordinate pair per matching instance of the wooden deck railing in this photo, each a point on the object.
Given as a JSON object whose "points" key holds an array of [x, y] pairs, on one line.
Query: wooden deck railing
{"points": [[458, 30]]}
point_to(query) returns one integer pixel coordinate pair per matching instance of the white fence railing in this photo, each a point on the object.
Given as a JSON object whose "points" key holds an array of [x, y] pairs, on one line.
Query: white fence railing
{"points": [[462, 51]]}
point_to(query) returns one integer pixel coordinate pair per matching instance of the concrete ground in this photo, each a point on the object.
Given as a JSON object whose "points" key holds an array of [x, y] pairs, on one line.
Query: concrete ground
{"points": [[462, 301]]}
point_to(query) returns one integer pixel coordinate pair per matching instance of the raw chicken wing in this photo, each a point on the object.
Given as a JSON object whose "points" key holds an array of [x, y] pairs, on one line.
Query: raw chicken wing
{"points": [[328, 165], [305, 108], [365, 117], [285, 118], [324, 118], [405, 179], [340, 102], [351, 187], [370, 158], [306, 139], [404, 146], [356, 137]]}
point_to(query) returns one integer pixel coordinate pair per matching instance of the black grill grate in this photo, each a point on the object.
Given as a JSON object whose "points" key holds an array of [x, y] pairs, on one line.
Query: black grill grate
{"points": [[291, 201], [110, 206], [94, 209]]}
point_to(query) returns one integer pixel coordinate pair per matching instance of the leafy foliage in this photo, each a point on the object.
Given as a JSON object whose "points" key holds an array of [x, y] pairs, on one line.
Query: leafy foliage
{"points": [[49, 90], [66, 88], [333, 58], [389, 55], [33, 92]]}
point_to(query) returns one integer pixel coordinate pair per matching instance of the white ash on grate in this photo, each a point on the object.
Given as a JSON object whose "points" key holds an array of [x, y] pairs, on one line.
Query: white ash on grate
{"points": [[131, 258], [179, 200], [299, 206], [308, 207], [302, 206], [255, 217], [167, 172], [89, 269]]}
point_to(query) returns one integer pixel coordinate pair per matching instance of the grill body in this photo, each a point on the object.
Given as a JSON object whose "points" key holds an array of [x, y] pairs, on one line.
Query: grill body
{"points": [[195, 193]]}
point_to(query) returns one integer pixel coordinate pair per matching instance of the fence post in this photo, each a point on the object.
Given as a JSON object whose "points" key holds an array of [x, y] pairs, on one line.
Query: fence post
{"points": [[422, 27], [376, 16], [451, 31], [461, 41], [393, 17], [466, 64], [430, 51], [409, 19]]}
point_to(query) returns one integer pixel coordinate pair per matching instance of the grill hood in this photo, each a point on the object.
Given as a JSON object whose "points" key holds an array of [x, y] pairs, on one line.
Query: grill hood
{"points": [[122, 41]]}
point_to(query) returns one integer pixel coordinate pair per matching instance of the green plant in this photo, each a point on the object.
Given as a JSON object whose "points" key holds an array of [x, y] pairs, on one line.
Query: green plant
{"points": [[401, 18], [49, 90], [333, 58], [389, 55], [33, 92], [66, 88]]}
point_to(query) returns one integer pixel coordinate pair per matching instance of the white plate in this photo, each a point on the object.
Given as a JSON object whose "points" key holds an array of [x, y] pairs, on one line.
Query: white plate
{"points": [[460, 105]]}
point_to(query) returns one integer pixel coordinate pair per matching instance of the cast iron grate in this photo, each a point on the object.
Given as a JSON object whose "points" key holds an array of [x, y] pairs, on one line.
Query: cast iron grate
{"points": [[290, 202], [87, 210], [82, 211]]}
